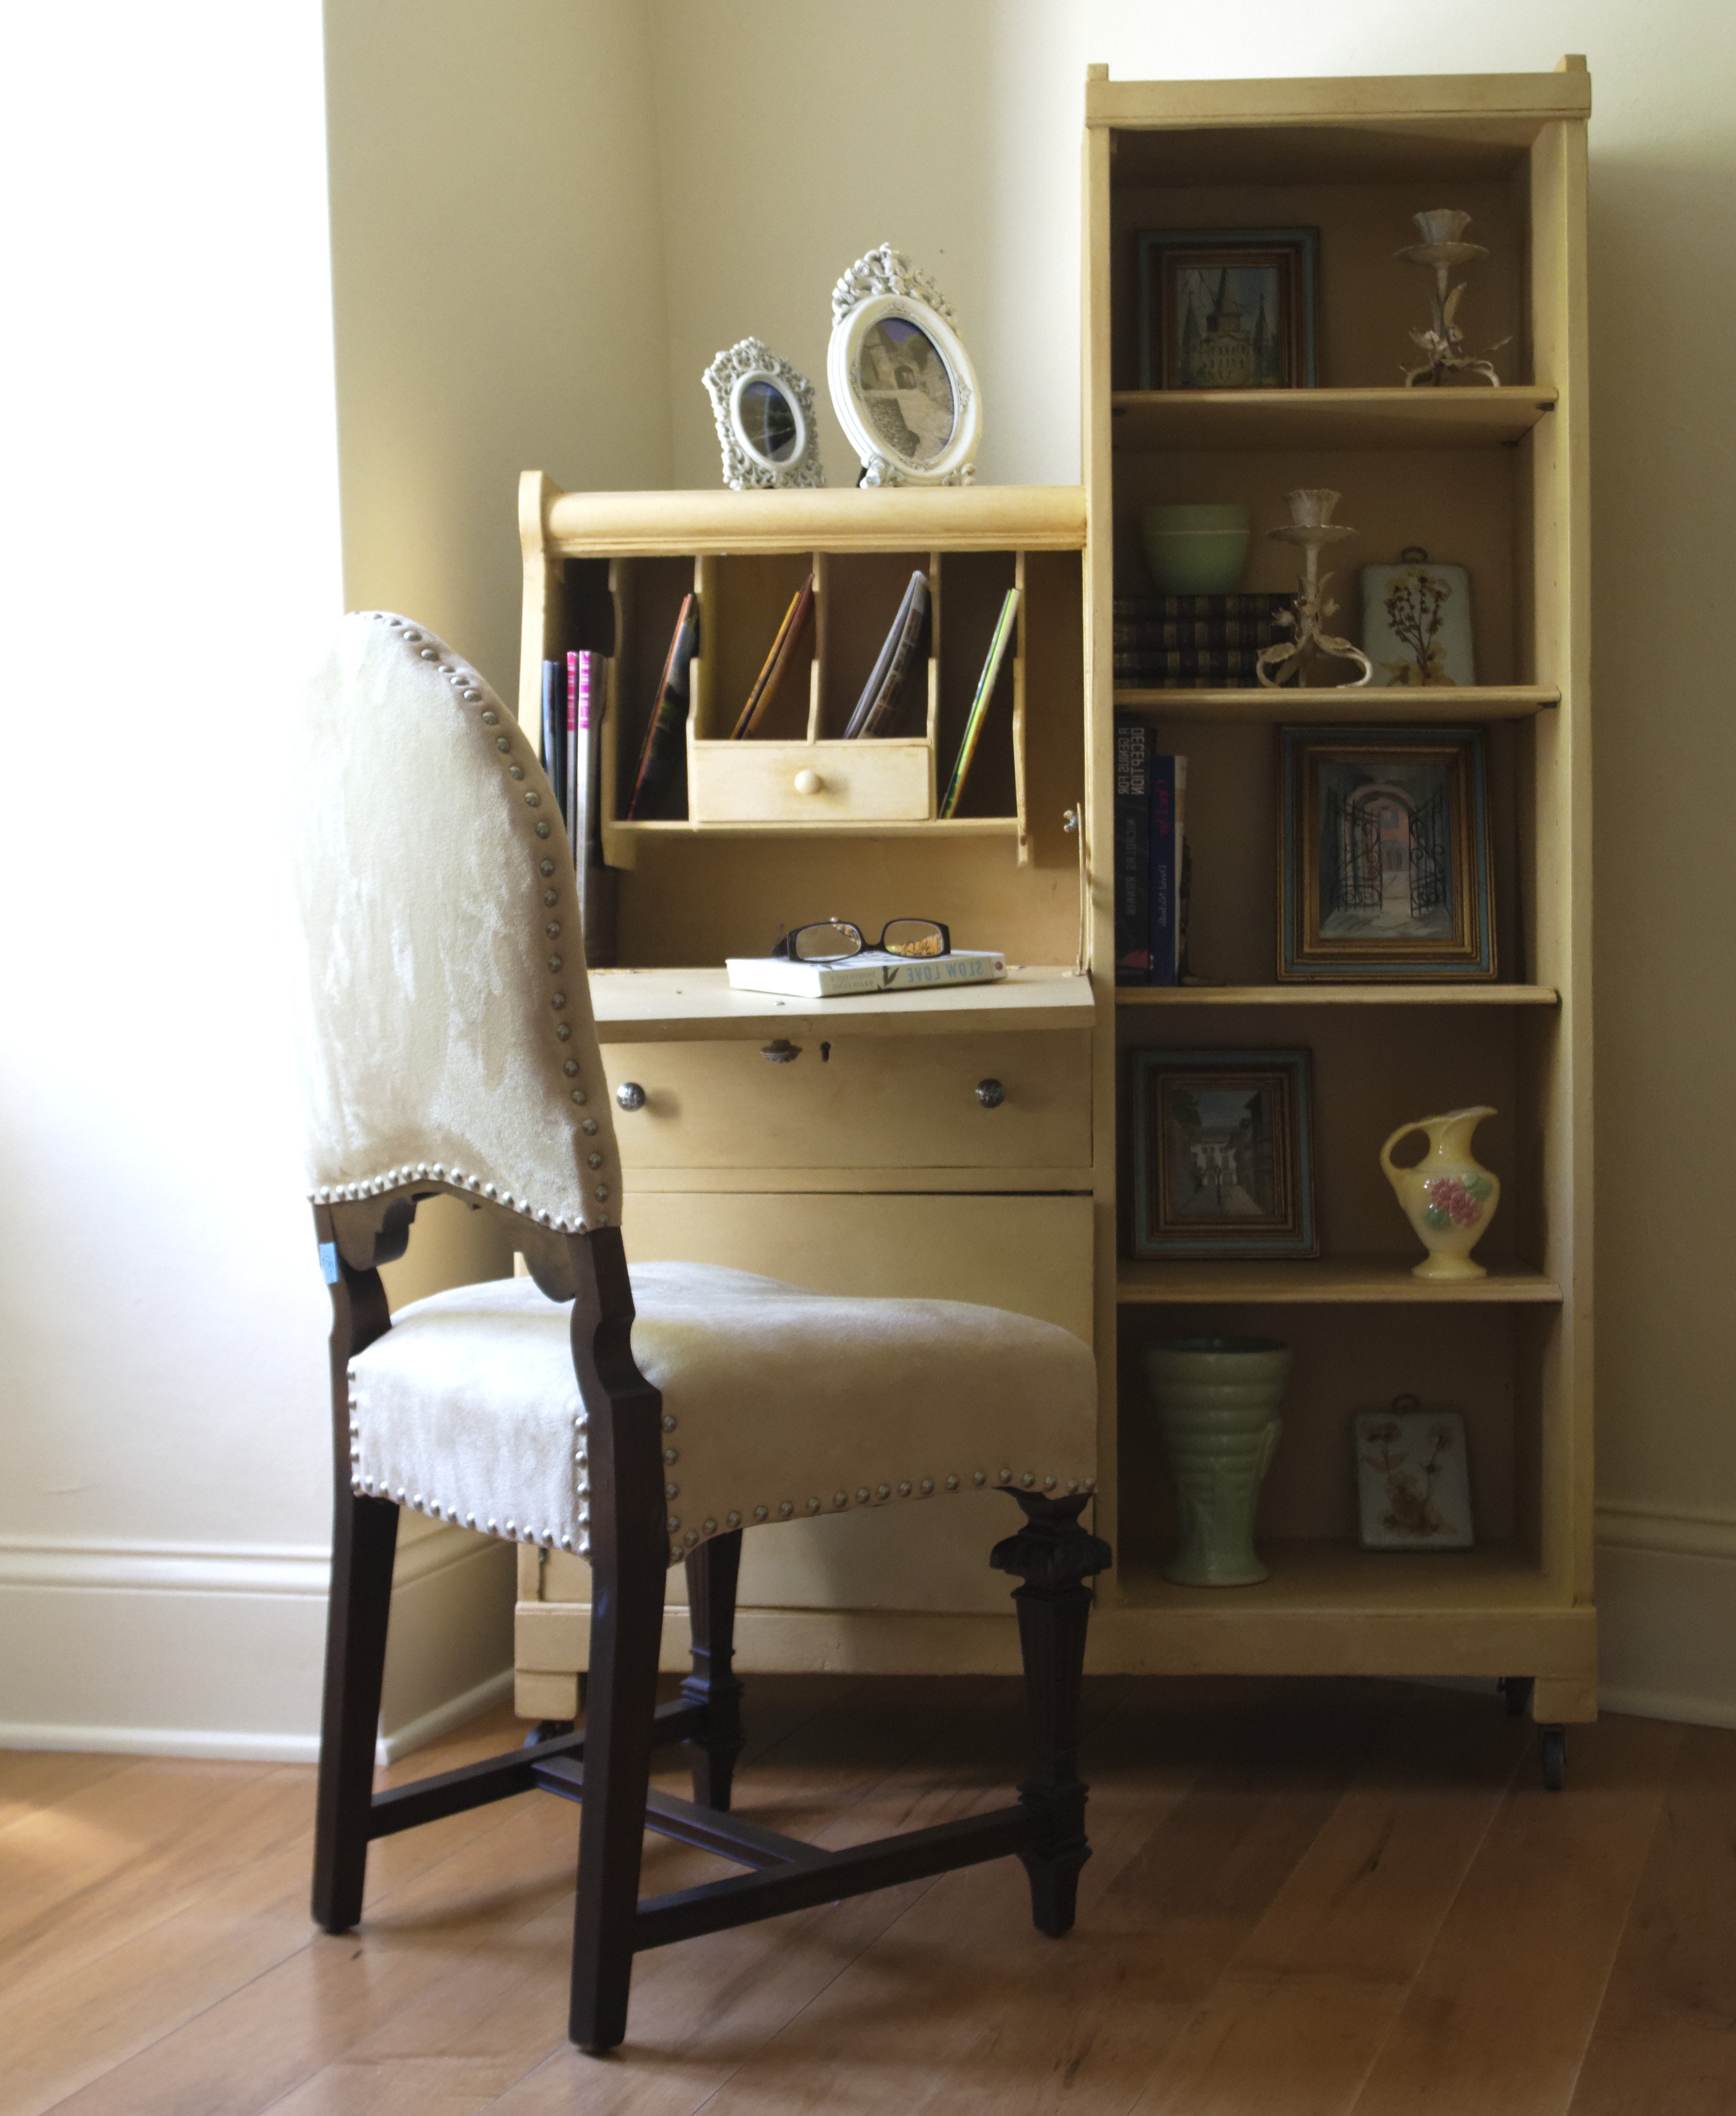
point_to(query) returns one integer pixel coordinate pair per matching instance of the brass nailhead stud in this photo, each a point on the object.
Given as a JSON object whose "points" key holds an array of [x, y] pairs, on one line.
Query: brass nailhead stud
{"points": [[491, 719], [862, 1493], [786, 1506], [562, 1030], [589, 1125], [952, 1484], [710, 1527], [558, 999], [554, 962], [532, 800], [502, 743], [518, 772], [671, 1455], [977, 1477], [669, 1421], [760, 1512], [550, 896], [545, 866], [1029, 1477], [542, 830], [602, 1192], [570, 1067]]}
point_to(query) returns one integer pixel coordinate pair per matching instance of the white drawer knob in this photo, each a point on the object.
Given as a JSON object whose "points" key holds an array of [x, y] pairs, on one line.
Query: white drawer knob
{"points": [[808, 782]]}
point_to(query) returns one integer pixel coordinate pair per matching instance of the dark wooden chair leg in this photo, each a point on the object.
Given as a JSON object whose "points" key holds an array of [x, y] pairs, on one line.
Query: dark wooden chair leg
{"points": [[1054, 1556], [712, 1570], [626, 1630], [363, 1541]]}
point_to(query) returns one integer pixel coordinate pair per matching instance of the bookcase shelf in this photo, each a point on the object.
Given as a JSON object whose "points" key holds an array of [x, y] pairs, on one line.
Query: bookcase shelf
{"points": [[1289, 419], [1352, 705], [1326, 995], [1350, 1280]]}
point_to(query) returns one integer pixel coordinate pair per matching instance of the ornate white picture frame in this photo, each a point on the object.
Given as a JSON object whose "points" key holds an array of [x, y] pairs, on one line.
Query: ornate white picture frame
{"points": [[764, 411], [901, 382]]}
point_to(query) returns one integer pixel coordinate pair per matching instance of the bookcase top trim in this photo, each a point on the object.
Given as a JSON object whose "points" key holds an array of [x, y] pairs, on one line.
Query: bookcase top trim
{"points": [[1350, 99]]}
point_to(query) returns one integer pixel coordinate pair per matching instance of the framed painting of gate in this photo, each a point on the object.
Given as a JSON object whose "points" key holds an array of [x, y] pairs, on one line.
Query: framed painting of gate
{"points": [[1383, 870], [1223, 1154]]}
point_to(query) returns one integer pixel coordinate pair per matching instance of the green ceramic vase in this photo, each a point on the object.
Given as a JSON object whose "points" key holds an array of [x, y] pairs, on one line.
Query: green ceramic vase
{"points": [[1217, 1403]]}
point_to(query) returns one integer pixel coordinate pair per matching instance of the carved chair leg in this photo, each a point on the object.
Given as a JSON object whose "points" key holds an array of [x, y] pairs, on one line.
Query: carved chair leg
{"points": [[364, 1538], [1054, 1556], [626, 1630], [712, 1570]]}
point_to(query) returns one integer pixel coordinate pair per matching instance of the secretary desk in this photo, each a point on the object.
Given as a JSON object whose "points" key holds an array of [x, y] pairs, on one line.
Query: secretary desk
{"points": [[973, 1144]]}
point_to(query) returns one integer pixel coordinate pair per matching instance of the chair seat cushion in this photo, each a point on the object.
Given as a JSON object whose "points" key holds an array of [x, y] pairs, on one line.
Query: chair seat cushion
{"points": [[778, 1404]]}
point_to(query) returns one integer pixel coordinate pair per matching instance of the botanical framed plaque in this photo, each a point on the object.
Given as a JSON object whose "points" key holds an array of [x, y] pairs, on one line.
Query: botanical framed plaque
{"points": [[1223, 1154], [1228, 308], [1382, 857], [1413, 1478], [901, 382], [764, 411], [1416, 623]]}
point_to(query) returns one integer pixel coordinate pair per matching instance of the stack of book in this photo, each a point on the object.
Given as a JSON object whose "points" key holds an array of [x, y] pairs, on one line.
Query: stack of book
{"points": [[1194, 642], [572, 717], [1150, 860]]}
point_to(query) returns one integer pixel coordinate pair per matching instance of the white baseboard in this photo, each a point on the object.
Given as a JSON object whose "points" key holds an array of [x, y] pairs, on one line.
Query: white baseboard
{"points": [[194, 1649], [1666, 1599]]}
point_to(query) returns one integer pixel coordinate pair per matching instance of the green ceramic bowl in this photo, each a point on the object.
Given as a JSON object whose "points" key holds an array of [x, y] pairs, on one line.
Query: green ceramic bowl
{"points": [[1193, 549]]}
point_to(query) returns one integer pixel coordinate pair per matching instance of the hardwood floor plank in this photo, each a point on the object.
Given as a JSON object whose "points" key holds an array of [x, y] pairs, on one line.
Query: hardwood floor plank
{"points": [[1300, 2015], [961, 2007], [1501, 2011], [1664, 2044]]}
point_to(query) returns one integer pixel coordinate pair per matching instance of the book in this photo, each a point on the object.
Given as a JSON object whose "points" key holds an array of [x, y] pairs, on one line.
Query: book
{"points": [[554, 730], [663, 736], [1164, 663], [772, 677], [1139, 635], [869, 972], [997, 646], [1132, 854], [576, 825], [1265, 604], [1167, 783], [897, 656]]}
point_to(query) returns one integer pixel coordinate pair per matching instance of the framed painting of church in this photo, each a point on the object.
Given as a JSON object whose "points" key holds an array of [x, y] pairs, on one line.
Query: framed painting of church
{"points": [[1384, 868], [1223, 1154], [1228, 308]]}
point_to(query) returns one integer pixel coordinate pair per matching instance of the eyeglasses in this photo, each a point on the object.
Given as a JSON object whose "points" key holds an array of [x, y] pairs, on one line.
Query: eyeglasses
{"points": [[835, 939]]}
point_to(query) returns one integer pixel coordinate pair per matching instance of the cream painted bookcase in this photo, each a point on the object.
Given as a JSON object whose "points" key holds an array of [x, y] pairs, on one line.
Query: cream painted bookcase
{"points": [[869, 1165]]}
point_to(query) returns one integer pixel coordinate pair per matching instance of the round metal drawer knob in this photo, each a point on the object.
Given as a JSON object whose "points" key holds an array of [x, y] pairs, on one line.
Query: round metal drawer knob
{"points": [[808, 782], [630, 1095], [991, 1094], [780, 1051]]}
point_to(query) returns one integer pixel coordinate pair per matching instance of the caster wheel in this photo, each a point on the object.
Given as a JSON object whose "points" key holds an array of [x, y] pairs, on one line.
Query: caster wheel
{"points": [[1517, 1690], [1552, 1754], [546, 1730]]}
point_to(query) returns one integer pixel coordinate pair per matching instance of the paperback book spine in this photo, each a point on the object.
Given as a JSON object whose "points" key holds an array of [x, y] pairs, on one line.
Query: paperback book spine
{"points": [[1165, 917], [1132, 855], [660, 759], [554, 728]]}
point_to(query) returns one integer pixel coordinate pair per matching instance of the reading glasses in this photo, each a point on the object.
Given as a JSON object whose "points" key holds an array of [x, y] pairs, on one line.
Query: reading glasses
{"points": [[837, 939]]}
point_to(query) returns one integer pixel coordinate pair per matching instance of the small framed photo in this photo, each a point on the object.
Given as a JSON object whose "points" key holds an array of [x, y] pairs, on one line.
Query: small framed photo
{"points": [[901, 382], [763, 410], [1228, 308], [1383, 858], [1413, 1478], [1223, 1154], [1416, 623]]}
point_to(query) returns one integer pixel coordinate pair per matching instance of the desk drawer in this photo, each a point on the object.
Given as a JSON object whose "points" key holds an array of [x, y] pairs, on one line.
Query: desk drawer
{"points": [[862, 1101], [889, 781]]}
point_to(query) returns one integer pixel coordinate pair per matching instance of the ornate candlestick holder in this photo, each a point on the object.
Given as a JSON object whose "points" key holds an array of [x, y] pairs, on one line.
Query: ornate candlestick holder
{"points": [[1311, 526], [1444, 343]]}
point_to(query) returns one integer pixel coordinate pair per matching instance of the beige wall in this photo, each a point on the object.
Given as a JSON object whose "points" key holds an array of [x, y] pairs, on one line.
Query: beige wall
{"points": [[953, 132]]}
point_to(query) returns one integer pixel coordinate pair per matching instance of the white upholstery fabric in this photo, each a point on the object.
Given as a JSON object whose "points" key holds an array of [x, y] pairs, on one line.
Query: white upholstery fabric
{"points": [[445, 1015], [785, 1404]]}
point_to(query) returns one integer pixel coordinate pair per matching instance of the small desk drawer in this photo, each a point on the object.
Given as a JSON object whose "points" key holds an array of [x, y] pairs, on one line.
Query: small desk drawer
{"points": [[888, 780], [862, 1102]]}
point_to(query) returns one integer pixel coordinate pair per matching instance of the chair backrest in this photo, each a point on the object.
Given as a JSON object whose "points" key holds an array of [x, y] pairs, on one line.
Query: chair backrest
{"points": [[445, 1028]]}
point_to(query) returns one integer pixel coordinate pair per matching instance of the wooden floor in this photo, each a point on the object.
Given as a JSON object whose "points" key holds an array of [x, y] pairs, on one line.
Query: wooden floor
{"points": [[1306, 1898]]}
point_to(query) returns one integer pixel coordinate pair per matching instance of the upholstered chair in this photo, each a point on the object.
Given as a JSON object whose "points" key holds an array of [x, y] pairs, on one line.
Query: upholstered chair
{"points": [[639, 1419]]}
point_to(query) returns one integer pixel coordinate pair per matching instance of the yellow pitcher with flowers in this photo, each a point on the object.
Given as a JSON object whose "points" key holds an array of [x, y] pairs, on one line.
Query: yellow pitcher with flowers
{"points": [[1449, 1197]]}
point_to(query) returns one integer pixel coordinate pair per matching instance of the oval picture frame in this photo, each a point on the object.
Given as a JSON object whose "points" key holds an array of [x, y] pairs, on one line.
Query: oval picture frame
{"points": [[748, 365], [896, 365]]}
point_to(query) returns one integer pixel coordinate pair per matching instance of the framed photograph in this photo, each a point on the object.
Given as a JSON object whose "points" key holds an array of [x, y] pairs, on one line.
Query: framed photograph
{"points": [[901, 382], [1223, 1154], [763, 408], [1413, 1478], [1228, 308], [1383, 861], [1416, 623]]}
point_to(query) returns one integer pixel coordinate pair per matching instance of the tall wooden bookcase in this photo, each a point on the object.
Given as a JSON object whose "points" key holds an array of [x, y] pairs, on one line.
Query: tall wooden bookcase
{"points": [[1494, 479], [872, 1167]]}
